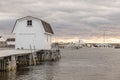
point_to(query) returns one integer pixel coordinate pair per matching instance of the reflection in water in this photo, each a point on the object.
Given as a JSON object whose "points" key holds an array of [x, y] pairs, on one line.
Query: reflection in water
{"points": [[50, 72], [8, 76], [82, 64], [45, 71]]}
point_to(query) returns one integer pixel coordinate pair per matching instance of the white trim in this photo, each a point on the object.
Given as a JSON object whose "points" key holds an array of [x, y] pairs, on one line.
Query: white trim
{"points": [[48, 33]]}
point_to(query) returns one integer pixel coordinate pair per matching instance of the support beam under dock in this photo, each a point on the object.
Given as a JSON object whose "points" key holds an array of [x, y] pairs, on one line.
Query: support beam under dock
{"points": [[12, 62]]}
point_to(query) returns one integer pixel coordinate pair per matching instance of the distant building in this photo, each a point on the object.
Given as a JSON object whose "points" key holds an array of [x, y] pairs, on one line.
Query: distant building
{"points": [[10, 42], [31, 32], [3, 42], [7, 42]]}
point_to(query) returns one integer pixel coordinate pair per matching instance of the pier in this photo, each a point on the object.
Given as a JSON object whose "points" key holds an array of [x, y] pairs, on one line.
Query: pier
{"points": [[31, 44], [12, 59]]}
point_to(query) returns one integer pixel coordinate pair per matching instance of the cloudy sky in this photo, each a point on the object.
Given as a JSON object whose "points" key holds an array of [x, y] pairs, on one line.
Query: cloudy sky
{"points": [[71, 19]]}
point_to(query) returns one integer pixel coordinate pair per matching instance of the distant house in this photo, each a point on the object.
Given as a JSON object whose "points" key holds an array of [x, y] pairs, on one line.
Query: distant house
{"points": [[3, 42], [6, 41], [31, 32], [10, 42]]}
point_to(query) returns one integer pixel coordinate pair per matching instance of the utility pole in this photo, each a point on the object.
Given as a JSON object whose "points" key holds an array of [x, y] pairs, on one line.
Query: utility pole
{"points": [[104, 36]]}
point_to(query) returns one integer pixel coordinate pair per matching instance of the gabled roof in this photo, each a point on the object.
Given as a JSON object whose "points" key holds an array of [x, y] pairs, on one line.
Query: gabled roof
{"points": [[47, 27], [2, 39]]}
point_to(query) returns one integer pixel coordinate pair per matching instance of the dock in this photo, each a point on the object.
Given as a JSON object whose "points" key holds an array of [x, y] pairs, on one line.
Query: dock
{"points": [[11, 59]]}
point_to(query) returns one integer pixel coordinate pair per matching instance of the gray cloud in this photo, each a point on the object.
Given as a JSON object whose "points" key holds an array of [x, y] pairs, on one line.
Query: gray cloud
{"points": [[69, 18]]}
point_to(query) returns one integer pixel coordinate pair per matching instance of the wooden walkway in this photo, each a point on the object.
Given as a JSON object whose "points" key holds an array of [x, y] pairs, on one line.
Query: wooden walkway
{"points": [[11, 59], [10, 52]]}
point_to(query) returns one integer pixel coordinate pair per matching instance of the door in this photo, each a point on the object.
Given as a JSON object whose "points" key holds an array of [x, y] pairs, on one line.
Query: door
{"points": [[26, 41]]}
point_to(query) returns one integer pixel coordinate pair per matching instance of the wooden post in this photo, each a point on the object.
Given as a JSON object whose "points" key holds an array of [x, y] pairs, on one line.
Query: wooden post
{"points": [[4, 65], [30, 59], [33, 55], [0, 65], [13, 63], [8, 64]]}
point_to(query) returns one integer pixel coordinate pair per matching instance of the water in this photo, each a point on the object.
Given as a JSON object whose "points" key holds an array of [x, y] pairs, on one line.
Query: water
{"points": [[82, 64]]}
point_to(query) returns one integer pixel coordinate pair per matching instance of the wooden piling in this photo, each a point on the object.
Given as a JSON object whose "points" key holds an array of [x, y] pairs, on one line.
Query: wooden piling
{"points": [[11, 63]]}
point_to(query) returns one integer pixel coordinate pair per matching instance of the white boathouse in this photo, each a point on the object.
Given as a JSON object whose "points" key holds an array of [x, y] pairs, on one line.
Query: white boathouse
{"points": [[31, 32]]}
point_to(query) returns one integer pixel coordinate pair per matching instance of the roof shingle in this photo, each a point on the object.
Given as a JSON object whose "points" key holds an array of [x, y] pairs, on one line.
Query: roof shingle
{"points": [[47, 27]]}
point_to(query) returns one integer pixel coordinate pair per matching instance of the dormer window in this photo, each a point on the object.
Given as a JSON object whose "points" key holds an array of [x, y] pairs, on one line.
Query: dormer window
{"points": [[29, 22]]}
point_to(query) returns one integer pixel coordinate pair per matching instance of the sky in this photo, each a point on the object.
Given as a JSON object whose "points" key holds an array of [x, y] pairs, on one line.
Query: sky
{"points": [[71, 20]]}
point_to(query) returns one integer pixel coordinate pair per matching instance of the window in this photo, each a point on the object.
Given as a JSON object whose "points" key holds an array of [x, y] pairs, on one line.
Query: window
{"points": [[29, 22]]}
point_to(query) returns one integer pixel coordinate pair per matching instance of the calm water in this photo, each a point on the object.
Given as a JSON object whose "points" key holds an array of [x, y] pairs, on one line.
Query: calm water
{"points": [[82, 64]]}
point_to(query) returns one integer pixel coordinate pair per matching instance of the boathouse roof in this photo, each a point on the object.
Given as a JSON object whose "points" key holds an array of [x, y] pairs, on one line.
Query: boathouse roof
{"points": [[47, 27]]}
